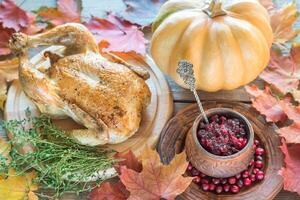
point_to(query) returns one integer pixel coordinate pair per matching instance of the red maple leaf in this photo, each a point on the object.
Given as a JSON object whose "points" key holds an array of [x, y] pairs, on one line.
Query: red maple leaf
{"points": [[282, 72], [291, 133], [290, 173], [266, 103], [109, 191], [116, 35], [129, 160], [66, 11], [11, 16]]}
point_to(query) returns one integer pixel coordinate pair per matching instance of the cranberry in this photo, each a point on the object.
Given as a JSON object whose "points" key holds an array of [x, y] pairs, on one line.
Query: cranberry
{"points": [[239, 175], [246, 174], [205, 186], [247, 181], [216, 181], [202, 175], [219, 189], [195, 172], [234, 189], [255, 170], [232, 180], [197, 179], [226, 188], [251, 162], [259, 164], [240, 183], [259, 151], [204, 180], [190, 167], [223, 181], [252, 177], [256, 142], [260, 175], [212, 187], [259, 158]]}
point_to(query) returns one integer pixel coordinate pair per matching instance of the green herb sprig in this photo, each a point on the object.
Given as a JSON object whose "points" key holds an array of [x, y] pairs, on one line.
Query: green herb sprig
{"points": [[61, 163]]}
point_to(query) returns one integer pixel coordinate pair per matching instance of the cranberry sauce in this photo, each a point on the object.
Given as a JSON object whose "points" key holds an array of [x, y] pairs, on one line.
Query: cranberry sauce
{"points": [[223, 136], [254, 173]]}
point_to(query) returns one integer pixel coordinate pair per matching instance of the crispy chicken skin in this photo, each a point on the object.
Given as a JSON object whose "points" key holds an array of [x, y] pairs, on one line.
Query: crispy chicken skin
{"points": [[106, 97]]}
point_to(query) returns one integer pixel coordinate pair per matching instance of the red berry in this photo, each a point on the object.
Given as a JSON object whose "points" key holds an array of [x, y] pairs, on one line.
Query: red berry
{"points": [[197, 179], [259, 158], [234, 189], [260, 175], [195, 172], [202, 175], [232, 180], [240, 183], [226, 188], [256, 142], [190, 167], [223, 181], [254, 146], [216, 181], [204, 180], [246, 174], [212, 187], [247, 181], [259, 164], [205, 186], [255, 170], [252, 177], [239, 175], [219, 189], [251, 162], [259, 151]]}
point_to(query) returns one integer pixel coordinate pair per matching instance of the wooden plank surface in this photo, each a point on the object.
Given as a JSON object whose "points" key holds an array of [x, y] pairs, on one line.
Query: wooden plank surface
{"points": [[182, 97]]}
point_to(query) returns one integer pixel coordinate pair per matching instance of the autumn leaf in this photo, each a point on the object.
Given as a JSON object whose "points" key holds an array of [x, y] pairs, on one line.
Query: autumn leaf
{"points": [[109, 191], [266, 103], [117, 190], [290, 173], [116, 35], [156, 180], [17, 187], [66, 11], [293, 112], [291, 133], [282, 21], [142, 12], [282, 72]]}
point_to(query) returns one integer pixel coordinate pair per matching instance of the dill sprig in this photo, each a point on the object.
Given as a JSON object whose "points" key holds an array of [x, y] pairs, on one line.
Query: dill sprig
{"points": [[61, 163]]}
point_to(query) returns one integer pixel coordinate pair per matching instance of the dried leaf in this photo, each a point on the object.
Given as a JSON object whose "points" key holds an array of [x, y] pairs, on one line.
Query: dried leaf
{"points": [[66, 11], [291, 111], [109, 191], [116, 35], [129, 160], [282, 72], [266, 104], [156, 180], [291, 133], [282, 21], [17, 187], [142, 12], [290, 174], [11, 16]]}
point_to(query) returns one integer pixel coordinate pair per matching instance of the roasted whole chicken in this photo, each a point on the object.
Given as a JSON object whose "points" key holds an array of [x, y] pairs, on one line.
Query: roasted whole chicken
{"points": [[106, 97]]}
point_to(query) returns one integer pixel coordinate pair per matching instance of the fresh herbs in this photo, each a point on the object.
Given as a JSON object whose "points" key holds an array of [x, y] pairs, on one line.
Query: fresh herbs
{"points": [[60, 162]]}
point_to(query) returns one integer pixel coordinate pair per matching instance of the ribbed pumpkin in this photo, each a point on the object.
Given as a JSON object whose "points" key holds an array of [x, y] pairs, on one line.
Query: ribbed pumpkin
{"points": [[228, 44]]}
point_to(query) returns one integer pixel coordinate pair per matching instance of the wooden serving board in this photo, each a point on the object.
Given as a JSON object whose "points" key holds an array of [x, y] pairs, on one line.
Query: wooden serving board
{"points": [[172, 141], [154, 117]]}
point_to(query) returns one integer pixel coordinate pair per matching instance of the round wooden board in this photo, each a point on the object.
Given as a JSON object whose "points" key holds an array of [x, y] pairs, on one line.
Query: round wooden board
{"points": [[172, 141], [154, 117]]}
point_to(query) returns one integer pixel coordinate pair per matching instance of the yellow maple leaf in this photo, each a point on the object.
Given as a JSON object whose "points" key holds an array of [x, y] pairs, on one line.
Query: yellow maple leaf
{"points": [[16, 187], [282, 21]]}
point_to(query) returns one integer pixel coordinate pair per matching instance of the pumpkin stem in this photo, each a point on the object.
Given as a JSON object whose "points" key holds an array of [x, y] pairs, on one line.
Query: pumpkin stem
{"points": [[214, 9]]}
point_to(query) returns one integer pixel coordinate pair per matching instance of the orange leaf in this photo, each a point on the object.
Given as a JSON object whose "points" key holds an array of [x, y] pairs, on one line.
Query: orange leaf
{"points": [[291, 111], [266, 104], [282, 72], [291, 133], [129, 160], [282, 21], [156, 180], [66, 11], [290, 174], [109, 191]]}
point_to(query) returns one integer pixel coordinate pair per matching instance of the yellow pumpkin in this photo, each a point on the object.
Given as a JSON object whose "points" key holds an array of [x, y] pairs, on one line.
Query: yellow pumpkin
{"points": [[229, 45]]}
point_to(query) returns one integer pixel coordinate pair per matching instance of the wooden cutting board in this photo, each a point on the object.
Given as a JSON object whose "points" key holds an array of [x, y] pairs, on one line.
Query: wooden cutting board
{"points": [[154, 118]]}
